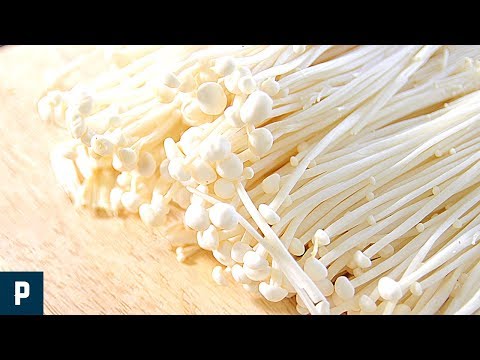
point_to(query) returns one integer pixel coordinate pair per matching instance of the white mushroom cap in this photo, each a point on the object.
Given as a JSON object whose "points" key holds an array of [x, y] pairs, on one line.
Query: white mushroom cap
{"points": [[131, 201], [270, 86], [150, 216], [223, 216], [239, 250], [193, 114], [247, 85], [212, 98], [321, 237], [215, 149], [224, 66], [257, 274], [171, 149], [315, 269], [270, 216], [146, 165], [325, 286], [272, 293], [260, 141], [299, 49], [239, 276], [232, 114], [101, 145], [361, 260], [178, 170], [169, 79], [271, 184], [222, 253], [196, 217], [230, 168], [160, 204], [367, 304], [254, 261], [218, 276], [257, 108], [389, 289], [344, 288], [209, 239], [127, 156], [296, 247], [224, 189], [202, 172], [231, 81], [191, 138]]}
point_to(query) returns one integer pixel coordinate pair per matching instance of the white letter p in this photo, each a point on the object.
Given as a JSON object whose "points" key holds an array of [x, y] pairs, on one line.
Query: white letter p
{"points": [[22, 291]]}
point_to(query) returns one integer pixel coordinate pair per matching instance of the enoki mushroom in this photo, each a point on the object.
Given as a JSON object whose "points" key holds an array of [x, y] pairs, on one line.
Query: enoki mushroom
{"points": [[344, 176]]}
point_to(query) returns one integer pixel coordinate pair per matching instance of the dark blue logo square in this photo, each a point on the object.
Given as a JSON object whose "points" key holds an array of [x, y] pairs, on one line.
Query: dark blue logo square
{"points": [[21, 293]]}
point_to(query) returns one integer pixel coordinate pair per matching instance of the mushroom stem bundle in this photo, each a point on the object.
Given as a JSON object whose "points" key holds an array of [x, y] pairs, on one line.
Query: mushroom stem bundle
{"points": [[346, 176]]}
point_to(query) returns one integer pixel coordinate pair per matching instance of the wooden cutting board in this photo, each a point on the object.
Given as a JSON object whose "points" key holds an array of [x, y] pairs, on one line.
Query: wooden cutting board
{"points": [[91, 265]]}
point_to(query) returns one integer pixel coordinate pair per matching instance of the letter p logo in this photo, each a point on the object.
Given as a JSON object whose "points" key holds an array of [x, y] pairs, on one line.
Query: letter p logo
{"points": [[22, 291]]}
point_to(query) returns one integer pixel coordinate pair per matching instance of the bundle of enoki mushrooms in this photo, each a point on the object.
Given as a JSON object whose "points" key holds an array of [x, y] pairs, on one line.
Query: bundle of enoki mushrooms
{"points": [[346, 176]]}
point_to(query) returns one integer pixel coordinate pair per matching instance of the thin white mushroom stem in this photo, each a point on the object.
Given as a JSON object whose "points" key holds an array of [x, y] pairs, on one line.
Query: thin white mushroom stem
{"points": [[403, 256], [465, 291], [262, 55], [334, 134], [326, 212], [441, 257], [367, 162], [453, 188], [357, 238], [425, 298], [430, 143], [443, 180], [442, 294], [156, 116], [363, 87], [419, 60], [308, 117], [327, 193], [471, 305], [278, 59], [437, 178], [471, 254], [420, 256], [430, 97], [307, 57], [347, 62], [275, 247], [368, 144]]}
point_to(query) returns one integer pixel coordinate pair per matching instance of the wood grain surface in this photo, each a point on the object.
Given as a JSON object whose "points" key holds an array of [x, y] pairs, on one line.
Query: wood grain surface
{"points": [[91, 265]]}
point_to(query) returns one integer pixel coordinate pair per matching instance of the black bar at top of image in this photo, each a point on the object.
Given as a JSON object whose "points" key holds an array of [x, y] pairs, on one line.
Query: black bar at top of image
{"points": [[292, 22]]}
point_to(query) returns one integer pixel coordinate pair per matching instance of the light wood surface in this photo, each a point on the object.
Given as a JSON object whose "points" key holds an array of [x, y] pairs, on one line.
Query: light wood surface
{"points": [[91, 265]]}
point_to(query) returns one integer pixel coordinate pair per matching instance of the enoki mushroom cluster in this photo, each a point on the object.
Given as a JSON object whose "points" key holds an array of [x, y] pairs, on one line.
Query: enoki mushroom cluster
{"points": [[344, 176]]}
